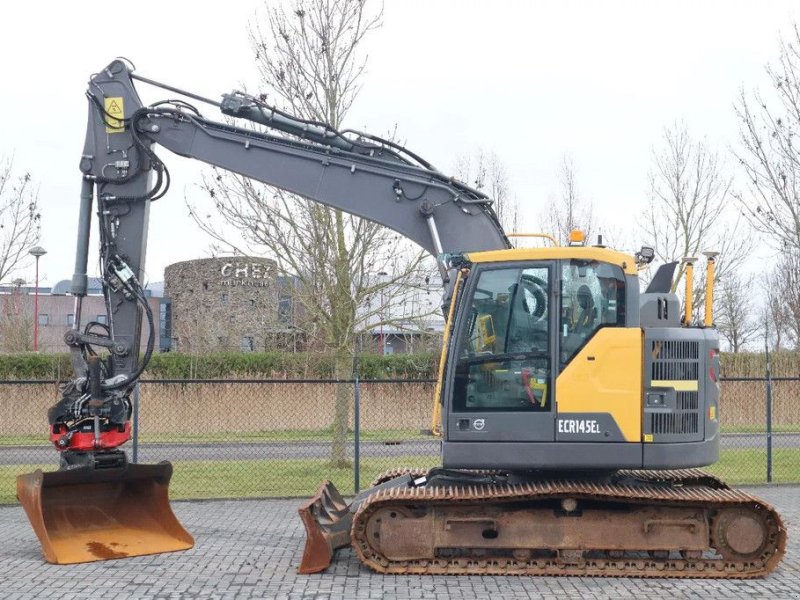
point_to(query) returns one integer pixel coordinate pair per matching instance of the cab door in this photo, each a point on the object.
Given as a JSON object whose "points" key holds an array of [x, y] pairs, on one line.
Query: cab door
{"points": [[599, 385], [501, 381]]}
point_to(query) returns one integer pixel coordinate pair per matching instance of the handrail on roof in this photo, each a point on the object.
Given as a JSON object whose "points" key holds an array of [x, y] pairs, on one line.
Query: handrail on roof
{"points": [[546, 236]]}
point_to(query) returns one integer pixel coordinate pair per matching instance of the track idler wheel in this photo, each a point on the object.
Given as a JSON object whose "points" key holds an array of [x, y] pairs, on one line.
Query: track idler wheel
{"points": [[739, 534]]}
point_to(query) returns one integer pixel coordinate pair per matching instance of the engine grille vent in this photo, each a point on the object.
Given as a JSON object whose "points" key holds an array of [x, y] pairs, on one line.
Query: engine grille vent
{"points": [[682, 371], [688, 401], [675, 350], [675, 360], [675, 423]]}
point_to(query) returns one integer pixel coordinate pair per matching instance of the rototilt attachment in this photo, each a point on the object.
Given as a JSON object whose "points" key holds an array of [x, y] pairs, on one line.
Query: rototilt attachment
{"points": [[327, 519], [88, 513]]}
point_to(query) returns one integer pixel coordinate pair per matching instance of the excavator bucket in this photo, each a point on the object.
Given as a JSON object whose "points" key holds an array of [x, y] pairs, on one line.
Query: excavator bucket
{"points": [[87, 514], [327, 519]]}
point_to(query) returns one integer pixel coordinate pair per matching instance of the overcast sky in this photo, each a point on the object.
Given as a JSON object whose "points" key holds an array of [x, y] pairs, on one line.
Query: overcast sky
{"points": [[529, 81]]}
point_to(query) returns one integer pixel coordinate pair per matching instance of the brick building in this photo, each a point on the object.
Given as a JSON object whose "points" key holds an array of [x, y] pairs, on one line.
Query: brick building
{"points": [[57, 312]]}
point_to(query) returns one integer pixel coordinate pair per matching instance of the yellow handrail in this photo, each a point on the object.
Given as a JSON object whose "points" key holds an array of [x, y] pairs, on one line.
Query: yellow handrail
{"points": [[436, 418], [689, 302], [546, 236], [709, 312]]}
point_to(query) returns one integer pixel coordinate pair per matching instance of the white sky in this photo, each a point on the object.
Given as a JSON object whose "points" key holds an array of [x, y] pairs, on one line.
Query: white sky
{"points": [[527, 80]]}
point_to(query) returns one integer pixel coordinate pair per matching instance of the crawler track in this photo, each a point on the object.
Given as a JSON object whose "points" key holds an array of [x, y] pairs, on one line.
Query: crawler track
{"points": [[634, 524]]}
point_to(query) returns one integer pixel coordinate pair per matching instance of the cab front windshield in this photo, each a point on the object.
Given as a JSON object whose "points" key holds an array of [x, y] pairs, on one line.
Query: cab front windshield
{"points": [[504, 349]]}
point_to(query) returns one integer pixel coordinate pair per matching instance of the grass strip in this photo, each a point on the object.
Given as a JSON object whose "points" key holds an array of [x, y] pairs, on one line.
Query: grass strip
{"points": [[749, 465], [288, 435], [302, 477], [306, 435], [249, 478]]}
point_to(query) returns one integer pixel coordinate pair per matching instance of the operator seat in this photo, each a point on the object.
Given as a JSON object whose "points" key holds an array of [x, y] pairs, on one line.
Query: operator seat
{"points": [[584, 324], [528, 324]]}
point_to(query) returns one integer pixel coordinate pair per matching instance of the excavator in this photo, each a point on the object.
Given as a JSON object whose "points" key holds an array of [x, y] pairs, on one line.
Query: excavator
{"points": [[574, 411]]}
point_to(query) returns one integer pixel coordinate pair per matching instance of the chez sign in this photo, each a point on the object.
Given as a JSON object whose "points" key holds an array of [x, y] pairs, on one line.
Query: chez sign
{"points": [[246, 274]]}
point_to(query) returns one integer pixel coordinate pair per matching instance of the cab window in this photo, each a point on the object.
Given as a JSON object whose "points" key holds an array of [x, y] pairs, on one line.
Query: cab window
{"points": [[504, 347], [592, 296]]}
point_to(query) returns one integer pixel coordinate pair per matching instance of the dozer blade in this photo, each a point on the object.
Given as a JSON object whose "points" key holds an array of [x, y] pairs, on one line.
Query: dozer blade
{"points": [[327, 519], [88, 514]]}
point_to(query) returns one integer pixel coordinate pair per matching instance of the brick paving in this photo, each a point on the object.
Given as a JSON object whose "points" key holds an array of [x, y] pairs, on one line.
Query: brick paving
{"points": [[251, 549]]}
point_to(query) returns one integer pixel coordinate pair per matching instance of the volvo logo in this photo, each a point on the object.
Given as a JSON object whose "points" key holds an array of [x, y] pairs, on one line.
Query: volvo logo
{"points": [[479, 424]]}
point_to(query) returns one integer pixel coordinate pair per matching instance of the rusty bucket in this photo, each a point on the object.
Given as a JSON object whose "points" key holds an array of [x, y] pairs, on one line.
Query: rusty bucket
{"points": [[327, 519], [88, 514]]}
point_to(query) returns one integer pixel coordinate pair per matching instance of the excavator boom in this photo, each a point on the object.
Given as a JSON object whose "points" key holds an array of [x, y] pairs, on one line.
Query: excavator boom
{"points": [[97, 505]]}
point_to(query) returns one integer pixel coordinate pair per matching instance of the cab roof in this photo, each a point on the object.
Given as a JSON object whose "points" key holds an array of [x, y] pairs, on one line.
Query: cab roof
{"points": [[626, 262]]}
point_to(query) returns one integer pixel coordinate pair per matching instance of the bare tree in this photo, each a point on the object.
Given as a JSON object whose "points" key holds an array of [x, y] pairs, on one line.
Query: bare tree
{"points": [[768, 155], [776, 313], [19, 218], [783, 299], [735, 310], [310, 62], [569, 211], [198, 335], [688, 210], [485, 171], [16, 323]]}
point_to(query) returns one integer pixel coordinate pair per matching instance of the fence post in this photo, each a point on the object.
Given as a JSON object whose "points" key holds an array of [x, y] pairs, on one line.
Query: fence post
{"points": [[357, 437], [135, 451], [769, 407]]}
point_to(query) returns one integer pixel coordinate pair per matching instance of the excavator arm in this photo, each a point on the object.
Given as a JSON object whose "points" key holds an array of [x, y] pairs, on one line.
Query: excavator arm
{"points": [[357, 173], [354, 172], [122, 174]]}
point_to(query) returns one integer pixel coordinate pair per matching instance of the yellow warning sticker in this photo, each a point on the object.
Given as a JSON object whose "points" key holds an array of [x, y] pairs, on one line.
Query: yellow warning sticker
{"points": [[648, 437], [115, 112]]}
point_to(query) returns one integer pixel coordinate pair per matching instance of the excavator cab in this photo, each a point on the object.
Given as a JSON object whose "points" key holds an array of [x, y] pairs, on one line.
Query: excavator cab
{"points": [[507, 397]]}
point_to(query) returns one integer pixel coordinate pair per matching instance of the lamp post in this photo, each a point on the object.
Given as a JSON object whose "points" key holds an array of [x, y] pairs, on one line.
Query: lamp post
{"points": [[37, 252]]}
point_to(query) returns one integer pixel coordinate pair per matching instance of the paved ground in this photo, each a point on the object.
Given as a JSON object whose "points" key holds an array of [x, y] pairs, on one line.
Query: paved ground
{"points": [[153, 452], [250, 549]]}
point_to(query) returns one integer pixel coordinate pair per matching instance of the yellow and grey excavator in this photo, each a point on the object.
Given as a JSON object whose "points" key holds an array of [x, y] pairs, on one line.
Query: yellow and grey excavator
{"points": [[573, 410]]}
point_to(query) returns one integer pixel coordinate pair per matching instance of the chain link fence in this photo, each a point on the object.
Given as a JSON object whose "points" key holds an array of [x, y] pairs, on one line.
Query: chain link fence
{"points": [[760, 424], [240, 438]]}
